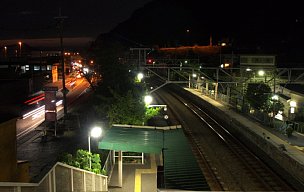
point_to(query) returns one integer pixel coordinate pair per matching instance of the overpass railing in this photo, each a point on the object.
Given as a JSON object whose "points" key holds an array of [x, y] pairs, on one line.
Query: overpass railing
{"points": [[61, 177]]}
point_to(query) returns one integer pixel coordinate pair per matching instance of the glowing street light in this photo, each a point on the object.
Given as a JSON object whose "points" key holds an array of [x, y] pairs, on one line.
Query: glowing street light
{"points": [[221, 45], [261, 73], [148, 99], [95, 133], [275, 97], [140, 76], [5, 51], [20, 44]]}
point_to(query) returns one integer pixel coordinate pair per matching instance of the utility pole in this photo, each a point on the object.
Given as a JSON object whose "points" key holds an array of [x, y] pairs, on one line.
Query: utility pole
{"points": [[60, 20]]}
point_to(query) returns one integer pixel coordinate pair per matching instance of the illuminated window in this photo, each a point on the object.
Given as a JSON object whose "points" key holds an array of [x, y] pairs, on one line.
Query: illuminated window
{"points": [[292, 110], [22, 69], [49, 67], [293, 104], [36, 68]]}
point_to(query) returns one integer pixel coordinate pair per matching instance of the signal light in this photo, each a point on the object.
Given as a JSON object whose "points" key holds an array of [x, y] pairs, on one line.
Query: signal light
{"points": [[149, 61]]}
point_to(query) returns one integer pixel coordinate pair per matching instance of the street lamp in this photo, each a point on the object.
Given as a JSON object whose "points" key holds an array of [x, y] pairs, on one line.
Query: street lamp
{"points": [[20, 43], [262, 73], [148, 100], [5, 51], [140, 76], [95, 133], [221, 45]]}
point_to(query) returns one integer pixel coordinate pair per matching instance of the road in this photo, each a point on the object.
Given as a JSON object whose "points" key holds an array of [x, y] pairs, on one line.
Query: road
{"points": [[32, 119]]}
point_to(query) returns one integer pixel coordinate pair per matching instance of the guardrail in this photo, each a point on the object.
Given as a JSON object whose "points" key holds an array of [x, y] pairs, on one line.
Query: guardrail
{"points": [[63, 178]]}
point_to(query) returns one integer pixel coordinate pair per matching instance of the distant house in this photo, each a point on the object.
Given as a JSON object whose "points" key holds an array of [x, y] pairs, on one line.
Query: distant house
{"points": [[257, 67], [257, 61]]}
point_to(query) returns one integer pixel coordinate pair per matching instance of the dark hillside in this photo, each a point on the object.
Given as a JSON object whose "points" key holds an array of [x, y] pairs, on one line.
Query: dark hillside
{"points": [[265, 25]]}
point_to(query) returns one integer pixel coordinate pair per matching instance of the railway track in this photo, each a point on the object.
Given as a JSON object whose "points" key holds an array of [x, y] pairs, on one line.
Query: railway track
{"points": [[241, 170]]}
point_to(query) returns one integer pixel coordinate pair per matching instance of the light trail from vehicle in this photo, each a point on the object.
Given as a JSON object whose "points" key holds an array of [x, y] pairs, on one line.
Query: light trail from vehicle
{"points": [[39, 111], [34, 115], [35, 99]]}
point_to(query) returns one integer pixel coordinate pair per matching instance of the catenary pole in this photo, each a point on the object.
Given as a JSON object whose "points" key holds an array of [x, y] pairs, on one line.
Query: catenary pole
{"points": [[60, 19]]}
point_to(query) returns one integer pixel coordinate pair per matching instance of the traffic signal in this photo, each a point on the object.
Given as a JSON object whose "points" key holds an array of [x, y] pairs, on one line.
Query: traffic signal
{"points": [[149, 61]]}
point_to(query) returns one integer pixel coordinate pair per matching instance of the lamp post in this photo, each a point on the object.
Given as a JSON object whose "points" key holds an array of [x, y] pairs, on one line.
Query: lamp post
{"points": [[20, 44], [95, 133], [140, 76], [221, 45], [5, 51], [60, 19], [262, 73]]}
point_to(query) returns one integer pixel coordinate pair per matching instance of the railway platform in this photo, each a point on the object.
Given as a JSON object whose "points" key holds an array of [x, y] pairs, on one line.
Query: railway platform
{"points": [[296, 140], [272, 140]]}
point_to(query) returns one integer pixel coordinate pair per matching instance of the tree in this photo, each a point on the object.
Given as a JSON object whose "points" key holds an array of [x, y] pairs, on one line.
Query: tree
{"points": [[110, 56], [257, 95], [130, 109], [151, 112], [118, 97], [274, 106]]}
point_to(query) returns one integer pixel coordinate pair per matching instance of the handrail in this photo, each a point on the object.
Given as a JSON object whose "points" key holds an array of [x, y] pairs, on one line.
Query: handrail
{"points": [[51, 173]]}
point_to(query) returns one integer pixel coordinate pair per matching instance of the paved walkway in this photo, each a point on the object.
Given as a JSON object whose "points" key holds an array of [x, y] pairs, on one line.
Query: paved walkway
{"points": [[137, 177]]}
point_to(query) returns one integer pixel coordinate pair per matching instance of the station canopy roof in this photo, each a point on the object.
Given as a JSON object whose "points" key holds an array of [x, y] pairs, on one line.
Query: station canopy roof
{"points": [[181, 170], [134, 139]]}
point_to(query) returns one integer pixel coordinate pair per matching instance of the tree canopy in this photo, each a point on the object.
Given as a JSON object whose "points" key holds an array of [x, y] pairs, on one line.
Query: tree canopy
{"points": [[257, 95], [260, 97], [109, 54], [119, 97]]}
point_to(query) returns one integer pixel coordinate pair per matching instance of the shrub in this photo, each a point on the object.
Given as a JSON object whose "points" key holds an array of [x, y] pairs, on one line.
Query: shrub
{"points": [[82, 160]]}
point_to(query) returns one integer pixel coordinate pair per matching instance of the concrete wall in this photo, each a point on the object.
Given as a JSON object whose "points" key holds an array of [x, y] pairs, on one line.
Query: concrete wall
{"points": [[8, 151]]}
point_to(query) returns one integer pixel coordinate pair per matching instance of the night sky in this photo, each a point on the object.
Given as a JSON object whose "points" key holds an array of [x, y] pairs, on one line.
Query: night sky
{"points": [[21, 19], [261, 22]]}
